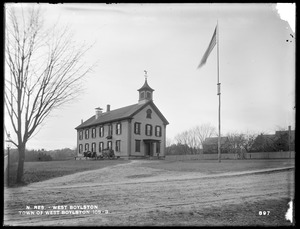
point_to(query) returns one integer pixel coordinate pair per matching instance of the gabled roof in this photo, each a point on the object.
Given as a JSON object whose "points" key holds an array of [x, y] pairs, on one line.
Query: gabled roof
{"points": [[267, 136], [214, 140], [281, 132], [120, 114]]}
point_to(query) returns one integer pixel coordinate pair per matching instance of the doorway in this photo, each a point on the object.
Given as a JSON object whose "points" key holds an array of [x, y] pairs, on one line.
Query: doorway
{"points": [[148, 149]]}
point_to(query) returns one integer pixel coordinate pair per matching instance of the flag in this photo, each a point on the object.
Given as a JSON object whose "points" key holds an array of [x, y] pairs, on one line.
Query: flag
{"points": [[210, 48]]}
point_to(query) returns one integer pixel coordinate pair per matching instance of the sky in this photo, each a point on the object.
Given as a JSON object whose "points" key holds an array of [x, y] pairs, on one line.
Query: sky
{"points": [[256, 65]]}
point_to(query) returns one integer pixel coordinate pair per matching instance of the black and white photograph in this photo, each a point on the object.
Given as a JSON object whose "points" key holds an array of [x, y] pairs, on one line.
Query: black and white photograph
{"points": [[149, 114]]}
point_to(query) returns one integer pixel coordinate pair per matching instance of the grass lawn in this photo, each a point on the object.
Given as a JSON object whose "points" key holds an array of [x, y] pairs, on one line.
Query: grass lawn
{"points": [[40, 171], [214, 167], [44, 170]]}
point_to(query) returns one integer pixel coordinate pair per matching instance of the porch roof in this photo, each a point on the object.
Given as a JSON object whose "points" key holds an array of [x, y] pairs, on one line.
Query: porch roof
{"points": [[151, 140]]}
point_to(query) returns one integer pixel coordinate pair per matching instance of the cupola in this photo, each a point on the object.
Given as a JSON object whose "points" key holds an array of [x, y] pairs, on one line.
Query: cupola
{"points": [[145, 92]]}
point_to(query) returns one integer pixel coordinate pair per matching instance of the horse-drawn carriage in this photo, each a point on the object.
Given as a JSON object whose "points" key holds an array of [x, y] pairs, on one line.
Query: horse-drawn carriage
{"points": [[104, 154]]}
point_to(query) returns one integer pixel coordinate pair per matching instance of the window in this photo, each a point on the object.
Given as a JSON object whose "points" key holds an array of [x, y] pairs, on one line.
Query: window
{"points": [[137, 128], [109, 145], [158, 131], [86, 147], [157, 147], [118, 128], [93, 147], [87, 134], [101, 131], [118, 146], [80, 135], [148, 130], [109, 129], [137, 145], [101, 145], [149, 112], [148, 95], [142, 95], [93, 132], [80, 148]]}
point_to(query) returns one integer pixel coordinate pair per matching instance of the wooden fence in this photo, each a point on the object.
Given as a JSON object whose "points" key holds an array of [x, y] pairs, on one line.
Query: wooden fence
{"points": [[5, 169], [232, 156]]}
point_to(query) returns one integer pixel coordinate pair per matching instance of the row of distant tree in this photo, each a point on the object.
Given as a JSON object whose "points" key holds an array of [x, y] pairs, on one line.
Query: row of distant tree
{"points": [[191, 141], [43, 155]]}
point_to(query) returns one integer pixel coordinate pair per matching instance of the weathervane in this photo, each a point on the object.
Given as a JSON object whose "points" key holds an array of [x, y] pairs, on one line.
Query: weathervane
{"points": [[145, 74]]}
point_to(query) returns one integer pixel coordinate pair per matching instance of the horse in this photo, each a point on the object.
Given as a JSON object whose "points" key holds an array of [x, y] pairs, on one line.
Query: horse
{"points": [[89, 154]]}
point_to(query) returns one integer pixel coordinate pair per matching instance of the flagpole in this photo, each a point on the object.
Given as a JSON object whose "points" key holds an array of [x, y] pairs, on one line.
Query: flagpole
{"points": [[219, 94], [215, 41]]}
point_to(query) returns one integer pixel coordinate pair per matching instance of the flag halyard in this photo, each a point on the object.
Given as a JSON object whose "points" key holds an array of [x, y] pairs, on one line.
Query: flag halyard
{"points": [[210, 47]]}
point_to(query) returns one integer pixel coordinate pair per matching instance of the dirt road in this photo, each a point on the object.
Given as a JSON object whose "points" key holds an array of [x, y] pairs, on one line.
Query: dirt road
{"points": [[134, 194]]}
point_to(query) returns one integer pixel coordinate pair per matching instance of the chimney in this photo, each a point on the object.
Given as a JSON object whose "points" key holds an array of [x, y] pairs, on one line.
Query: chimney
{"points": [[81, 121], [98, 112], [107, 108]]}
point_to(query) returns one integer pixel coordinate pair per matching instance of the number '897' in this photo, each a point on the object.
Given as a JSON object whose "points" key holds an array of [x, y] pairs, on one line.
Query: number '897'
{"points": [[264, 213]]}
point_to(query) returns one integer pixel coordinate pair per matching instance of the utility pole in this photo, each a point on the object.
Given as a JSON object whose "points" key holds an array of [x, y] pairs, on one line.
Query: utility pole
{"points": [[290, 133], [219, 94], [8, 157]]}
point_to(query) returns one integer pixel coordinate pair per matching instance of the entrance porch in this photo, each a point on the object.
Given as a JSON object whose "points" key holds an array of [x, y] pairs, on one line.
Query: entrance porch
{"points": [[152, 147]]}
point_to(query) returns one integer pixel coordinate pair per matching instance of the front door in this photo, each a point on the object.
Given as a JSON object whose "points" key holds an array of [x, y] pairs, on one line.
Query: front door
{"points": [[148, 149]]}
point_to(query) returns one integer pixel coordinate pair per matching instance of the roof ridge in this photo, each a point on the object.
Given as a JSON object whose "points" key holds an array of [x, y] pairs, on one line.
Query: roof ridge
{"points": [[110, 116]]}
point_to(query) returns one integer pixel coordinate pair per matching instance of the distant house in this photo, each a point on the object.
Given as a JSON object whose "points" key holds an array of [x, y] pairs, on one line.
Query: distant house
{"points": [[274, 142], [283, 140], [264, 143], [138, 130], [210, 145]]}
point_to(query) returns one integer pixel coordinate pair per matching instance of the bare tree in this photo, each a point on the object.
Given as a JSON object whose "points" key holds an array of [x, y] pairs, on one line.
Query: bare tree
{"points": [[44, 68], [241, 141], [236, 143], [249, 140], [183, 139], [204, 131], [168, 145], [194, 137]]}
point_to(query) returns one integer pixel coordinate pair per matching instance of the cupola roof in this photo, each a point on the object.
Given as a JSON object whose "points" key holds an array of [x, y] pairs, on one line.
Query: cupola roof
{"points": [[145, 87]]}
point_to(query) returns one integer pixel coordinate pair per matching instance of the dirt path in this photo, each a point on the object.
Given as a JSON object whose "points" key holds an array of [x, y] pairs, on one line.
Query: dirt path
{"points": [[130, 192]]}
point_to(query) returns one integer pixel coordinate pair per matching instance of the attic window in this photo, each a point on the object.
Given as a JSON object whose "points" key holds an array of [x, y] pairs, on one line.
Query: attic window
{"points": [[149, 112]]}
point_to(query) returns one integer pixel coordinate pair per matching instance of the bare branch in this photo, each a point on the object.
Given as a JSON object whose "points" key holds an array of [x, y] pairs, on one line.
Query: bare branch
{"points": [[45, 70]]}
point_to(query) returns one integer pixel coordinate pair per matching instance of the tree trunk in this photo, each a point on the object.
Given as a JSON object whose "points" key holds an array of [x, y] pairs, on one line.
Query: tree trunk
{"points": [[20, 171]]}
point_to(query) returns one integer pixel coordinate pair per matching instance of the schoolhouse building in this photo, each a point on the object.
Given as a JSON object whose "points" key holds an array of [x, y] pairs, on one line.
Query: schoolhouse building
{"points": [[134, 131]]}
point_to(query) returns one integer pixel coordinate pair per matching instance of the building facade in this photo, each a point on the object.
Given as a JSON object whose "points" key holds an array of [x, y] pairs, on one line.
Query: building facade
{"points": [[210, 145], [138, 130], [280, 141]]}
